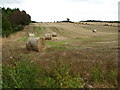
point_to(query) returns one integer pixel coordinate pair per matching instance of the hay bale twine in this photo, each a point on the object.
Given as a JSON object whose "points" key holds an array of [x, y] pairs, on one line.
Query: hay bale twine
{"points": [[35, 44], [48, 36], [54, 34]]}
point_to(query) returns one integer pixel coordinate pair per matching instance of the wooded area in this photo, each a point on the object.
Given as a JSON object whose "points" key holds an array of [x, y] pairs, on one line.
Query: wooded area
{"points": [[13, 20]]}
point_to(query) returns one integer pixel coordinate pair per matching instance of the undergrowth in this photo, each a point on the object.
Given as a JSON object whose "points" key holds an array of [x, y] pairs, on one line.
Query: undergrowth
{"points": [[27, 74], [98, 75]]}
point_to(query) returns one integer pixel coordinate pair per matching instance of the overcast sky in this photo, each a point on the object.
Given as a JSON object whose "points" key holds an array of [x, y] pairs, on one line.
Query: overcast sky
{"points": [[58, 10]]}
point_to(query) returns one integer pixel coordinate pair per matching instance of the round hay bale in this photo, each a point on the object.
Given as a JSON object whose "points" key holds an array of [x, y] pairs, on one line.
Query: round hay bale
{"points": [[94, 31], [35, 44], [31, 35], [48, 36], [54, 34]]}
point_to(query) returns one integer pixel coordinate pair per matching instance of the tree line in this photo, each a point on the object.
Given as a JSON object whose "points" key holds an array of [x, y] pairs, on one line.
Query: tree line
{"points": [[13, 20], [101, 21]]}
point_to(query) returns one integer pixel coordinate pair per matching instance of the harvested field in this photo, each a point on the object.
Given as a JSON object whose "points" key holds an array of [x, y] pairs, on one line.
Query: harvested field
{"points": [[75, 46]]}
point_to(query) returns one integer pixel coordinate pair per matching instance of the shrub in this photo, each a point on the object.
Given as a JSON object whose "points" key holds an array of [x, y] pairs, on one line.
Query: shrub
{"points": [[18, 28], [21, 75], [111, 77], [96, 75], [6, 26], [26, 74], [64, 80]]}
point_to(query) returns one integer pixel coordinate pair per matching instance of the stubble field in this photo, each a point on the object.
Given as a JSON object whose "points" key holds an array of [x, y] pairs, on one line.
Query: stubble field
{"points": [[75, 46]]}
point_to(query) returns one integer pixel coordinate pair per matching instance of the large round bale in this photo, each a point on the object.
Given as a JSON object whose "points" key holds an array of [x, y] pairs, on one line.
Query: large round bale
{"points": [[54, 34], [48, 36], [35, 44], [94, 31]]}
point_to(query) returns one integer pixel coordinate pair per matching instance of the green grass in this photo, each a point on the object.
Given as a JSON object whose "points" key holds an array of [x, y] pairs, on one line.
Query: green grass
{"points": [[59, 48], [27, 74], [24, 39], [90, 39], [38, 31], [61, 44], [40, 28], [97, 75], [38, 35], [20, 75], [54, 43]]}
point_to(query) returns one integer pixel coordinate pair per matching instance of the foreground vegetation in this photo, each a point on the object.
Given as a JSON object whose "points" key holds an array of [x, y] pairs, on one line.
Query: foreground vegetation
{"points": [[27, 74]]}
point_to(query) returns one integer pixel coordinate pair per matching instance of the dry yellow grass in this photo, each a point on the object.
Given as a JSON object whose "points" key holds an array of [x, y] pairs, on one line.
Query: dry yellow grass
{"points": [[76, 46], [101, 23]]}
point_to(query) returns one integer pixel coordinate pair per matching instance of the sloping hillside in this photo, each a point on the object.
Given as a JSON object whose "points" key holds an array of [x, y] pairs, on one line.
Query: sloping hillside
{"points": [[75, 46]]}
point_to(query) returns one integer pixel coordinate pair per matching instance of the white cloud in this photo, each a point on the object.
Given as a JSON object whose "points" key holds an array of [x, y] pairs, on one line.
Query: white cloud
{"points": [[76, 10]]}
